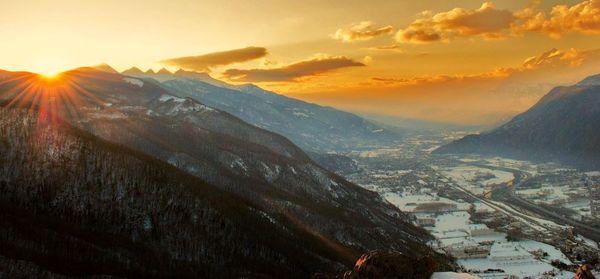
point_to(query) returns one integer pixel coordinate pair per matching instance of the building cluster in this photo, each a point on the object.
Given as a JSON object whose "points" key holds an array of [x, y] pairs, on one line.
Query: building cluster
{"points": [[468, 251], [555, 196], [594, 195]]}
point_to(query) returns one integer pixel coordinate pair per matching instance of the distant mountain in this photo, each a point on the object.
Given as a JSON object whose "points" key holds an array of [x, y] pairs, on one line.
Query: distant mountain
{"points": [[164, 71], [262, 168], [590, 81], [564, 125], [105, 68], [133, 71], [312, 127], [408, 125]]}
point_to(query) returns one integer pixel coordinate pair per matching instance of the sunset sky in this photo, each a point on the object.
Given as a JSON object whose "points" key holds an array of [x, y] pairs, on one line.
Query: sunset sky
{"points": [[467, 62]]}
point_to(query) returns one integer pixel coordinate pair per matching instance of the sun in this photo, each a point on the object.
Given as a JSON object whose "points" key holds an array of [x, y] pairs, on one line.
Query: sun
{"points": [[48, 68], [49, 74]]}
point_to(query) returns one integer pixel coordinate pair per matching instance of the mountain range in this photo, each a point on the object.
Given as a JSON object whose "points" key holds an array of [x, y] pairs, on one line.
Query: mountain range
{"points": [[310, 126], [127, 171], [563, 126]]}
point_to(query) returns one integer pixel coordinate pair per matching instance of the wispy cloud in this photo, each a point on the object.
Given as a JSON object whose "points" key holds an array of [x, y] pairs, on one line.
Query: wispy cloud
{"points": [[553, 58], [361, 32], [206, 61], [294, 71], [392, 47]]}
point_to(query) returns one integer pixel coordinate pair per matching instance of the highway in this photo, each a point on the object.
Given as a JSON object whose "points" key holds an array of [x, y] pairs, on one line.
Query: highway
{"points": [[505, 193]]}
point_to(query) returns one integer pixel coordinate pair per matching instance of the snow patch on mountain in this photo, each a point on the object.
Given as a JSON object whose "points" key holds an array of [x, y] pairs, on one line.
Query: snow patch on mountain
{"points": [[270, 174], [293, 170], [239, 163], [134, 81], [166, 98], [266, 216], [181, 105], [300, 114], [107, 115], [182, 108]]}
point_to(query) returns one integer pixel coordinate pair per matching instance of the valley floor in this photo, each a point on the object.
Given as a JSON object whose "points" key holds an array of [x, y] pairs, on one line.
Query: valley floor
{"points": [[498, 217]]}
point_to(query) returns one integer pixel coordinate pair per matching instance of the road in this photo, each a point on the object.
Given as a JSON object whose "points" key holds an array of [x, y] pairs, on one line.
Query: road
{"points": [[505, 193], [513, 213]]}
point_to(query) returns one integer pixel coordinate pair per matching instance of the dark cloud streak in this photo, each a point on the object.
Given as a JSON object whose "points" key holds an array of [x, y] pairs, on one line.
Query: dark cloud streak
{"points": [[206, 61], [292, 72]]}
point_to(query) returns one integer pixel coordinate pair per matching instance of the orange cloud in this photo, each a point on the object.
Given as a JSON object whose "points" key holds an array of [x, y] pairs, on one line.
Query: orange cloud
{"points": [[487, 21], [361, 32], [583, 17], [206, 61], [292, 72], [492, 23], [554, 57]]}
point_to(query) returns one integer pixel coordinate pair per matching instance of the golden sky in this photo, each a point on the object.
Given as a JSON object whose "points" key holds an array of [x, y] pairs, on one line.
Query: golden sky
{"points": [[462, 61]]}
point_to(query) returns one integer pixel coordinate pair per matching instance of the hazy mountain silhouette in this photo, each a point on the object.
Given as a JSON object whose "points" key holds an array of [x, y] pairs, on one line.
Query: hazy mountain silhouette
{"points": [[312, 127], [564, 125]]}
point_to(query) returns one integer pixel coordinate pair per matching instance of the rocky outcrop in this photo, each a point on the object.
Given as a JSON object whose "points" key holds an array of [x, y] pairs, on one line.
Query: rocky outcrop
{"points": [[391, 265], [584, 272], [387, 265]]}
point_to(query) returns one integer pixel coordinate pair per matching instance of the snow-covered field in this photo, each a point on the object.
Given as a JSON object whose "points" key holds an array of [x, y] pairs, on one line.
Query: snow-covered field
{"points": [[517, 258], [452, 275], [408, 201], [474, 178], [379, 152], [572, 197], [593, 173]]}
